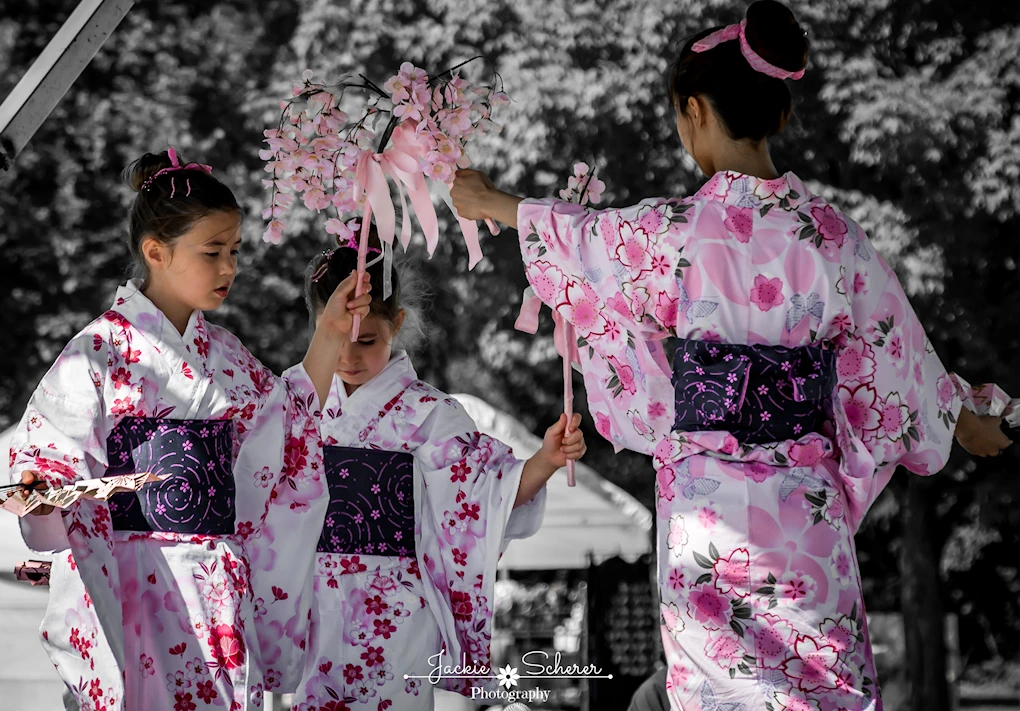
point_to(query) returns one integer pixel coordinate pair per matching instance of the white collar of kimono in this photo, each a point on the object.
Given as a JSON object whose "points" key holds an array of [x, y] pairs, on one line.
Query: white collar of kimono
{"points": [[743, 190], [141, 313], [393, 379]]}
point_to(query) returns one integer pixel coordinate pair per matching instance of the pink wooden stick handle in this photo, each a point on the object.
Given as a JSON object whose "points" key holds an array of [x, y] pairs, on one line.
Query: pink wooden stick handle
{"points": [[568, 392], [362, 261]]}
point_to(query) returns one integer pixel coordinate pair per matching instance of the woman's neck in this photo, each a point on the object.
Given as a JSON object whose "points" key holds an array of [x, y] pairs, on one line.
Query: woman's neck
{"points": [[746, 158], [177, 313]]}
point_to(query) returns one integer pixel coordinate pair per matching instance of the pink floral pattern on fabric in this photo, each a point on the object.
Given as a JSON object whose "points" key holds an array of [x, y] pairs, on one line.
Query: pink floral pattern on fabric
{"points": [[766, 292], [740, 223], [466, 484], [180, 606], [761, 601]]}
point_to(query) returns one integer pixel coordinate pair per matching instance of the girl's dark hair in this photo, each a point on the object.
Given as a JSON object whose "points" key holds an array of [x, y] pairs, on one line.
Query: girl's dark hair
{"points": [[339, 263], [333, 266], [751, 104], [169, 205]]}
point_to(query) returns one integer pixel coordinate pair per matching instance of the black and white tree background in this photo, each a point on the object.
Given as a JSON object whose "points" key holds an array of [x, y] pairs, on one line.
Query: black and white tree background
{"points": [[908, 117]]}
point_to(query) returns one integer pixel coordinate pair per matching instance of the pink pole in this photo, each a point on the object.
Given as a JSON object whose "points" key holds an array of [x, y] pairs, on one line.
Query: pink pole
{"points": [[568, 390], [362, 261]]}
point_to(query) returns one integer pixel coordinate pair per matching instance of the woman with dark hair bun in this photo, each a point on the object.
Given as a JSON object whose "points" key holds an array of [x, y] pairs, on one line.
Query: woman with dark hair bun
{"points": [[801, 379]]}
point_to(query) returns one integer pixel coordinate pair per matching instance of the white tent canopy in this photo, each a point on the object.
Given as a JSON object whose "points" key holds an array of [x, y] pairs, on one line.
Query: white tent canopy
{"points": [[595, 518]]}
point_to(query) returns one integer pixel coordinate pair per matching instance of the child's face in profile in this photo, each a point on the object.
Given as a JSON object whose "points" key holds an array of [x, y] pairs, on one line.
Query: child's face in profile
{"points": [[199, 269], [363, 360]]}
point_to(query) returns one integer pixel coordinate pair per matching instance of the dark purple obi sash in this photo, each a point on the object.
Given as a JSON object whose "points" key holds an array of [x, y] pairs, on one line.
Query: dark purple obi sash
{"points": [[760, 394], [198, 497], [371, 502]]}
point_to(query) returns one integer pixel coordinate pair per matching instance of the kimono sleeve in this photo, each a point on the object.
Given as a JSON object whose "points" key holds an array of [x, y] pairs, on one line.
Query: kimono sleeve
{"points": [[988, 399], [468, 485], [896, 404], [280, 467], [61, 435], [611, 274]]}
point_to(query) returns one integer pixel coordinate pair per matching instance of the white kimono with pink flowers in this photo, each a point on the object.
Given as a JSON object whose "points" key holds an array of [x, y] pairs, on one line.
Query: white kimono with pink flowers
{"points": [[377, 618], [761, 596], [160, 620]]}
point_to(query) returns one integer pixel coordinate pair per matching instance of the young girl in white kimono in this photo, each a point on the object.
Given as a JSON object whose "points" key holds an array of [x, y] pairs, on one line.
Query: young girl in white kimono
{"points": [[420, 507], [151, 604], [801, 379]]}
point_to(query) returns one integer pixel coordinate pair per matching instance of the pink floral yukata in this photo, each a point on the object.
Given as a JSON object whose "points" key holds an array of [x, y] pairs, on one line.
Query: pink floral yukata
{"points": [[378, 615], [761, 599], [151, 603]]}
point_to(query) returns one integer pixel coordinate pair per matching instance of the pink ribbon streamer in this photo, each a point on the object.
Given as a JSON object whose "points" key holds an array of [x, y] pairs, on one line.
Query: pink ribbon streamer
{"points": [[738, 31], [370, 181], [401, 163], [469, 228], [407, 173], [566, 346]]}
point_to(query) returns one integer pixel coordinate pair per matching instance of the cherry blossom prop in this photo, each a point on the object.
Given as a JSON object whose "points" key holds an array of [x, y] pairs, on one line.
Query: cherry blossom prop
{"points": [[338, 163], [583, 188]]}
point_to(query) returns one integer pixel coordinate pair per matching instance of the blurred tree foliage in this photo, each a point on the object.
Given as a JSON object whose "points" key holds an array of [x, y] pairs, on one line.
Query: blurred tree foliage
{"points": [[909, 117]]}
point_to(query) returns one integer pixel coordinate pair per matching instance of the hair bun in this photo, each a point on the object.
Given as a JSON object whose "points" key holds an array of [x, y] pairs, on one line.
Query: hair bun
{"points": [[774, 33], [146, 167]]}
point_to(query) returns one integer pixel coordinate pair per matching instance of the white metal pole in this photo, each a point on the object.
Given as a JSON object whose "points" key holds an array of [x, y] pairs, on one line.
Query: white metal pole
{"points": [[54, 71]]}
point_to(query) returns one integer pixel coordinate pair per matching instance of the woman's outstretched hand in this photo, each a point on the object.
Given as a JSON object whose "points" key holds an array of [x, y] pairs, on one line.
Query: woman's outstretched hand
{"points": [[981, 436], [471, 193], [475, 197]]}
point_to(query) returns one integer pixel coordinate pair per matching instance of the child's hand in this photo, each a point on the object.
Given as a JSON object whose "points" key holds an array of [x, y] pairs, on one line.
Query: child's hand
{"points": [[338, 316], [31, 481], [561, 444], [981, 436], [558, 445]]}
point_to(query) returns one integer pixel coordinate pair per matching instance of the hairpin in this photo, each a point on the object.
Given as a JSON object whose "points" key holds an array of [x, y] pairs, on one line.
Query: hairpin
{"points": [[175, 165], [353, 244], [324, 267]]}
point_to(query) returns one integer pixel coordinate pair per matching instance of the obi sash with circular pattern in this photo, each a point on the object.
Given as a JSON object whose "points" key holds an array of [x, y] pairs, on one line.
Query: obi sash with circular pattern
{"points": [[371, 502], [197, 498], [760, 394]]}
